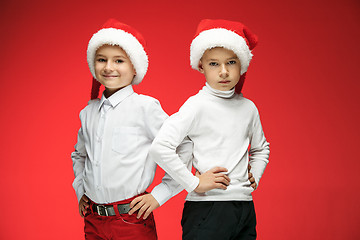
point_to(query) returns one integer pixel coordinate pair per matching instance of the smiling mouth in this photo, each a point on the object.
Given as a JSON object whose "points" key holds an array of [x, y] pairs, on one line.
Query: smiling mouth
{"points": [[109, 76]]}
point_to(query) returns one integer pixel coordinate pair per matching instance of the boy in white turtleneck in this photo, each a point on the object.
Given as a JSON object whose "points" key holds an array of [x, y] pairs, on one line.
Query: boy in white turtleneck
{"points": [[227, 135]]}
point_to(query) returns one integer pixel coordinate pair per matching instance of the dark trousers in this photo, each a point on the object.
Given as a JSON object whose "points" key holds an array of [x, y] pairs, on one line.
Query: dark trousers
{"points": [[225, 220]]}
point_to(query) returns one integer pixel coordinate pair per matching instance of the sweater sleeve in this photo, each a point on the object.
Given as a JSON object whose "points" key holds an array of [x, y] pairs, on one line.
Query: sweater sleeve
{"points": [[78, 158], [259, 149], [164, 148], [168, 187]]}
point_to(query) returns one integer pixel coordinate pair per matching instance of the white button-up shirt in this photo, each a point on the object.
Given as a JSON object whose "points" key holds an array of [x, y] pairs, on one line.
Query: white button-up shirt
{"points": [[110, 160]]}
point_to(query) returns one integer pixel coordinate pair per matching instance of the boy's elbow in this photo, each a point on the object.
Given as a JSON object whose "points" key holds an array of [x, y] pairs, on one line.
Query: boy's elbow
{"points": [[156, 150], [160, 150]]}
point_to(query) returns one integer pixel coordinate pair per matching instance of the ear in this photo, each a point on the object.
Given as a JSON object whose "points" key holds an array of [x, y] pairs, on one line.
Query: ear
{"points": [[200, 67], [134, 74]]}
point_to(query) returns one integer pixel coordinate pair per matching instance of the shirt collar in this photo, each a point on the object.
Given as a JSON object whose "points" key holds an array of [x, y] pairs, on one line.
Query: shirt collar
{"points": [[117, 97]]}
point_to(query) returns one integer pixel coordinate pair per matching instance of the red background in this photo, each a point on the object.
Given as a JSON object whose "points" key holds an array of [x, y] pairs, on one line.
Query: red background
{"points": [[304, 79]]}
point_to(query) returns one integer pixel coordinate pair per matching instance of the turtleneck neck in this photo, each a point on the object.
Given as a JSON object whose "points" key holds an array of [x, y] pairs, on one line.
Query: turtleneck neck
{"points": [[218, 93]]}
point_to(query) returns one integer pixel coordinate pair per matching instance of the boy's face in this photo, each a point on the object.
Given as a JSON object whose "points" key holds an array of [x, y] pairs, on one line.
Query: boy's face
{"points": [[221, 68], [113, 68]]}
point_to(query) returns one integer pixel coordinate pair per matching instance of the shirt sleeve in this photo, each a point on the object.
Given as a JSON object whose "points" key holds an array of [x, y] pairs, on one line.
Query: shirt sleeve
{"points": [[154, 118], [164, 148], [78, 158], [259, 149]]}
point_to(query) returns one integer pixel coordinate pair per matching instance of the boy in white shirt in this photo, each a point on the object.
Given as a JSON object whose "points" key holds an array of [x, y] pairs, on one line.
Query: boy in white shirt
{"points": [[226, 132], [111, 163]]}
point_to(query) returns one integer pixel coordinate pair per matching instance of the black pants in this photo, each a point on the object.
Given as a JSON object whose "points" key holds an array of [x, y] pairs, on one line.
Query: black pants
{"points": [[220, 220]]}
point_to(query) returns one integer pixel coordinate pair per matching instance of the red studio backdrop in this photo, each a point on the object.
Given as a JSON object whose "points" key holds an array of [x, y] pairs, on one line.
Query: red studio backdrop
{"points": [[304, 79]]}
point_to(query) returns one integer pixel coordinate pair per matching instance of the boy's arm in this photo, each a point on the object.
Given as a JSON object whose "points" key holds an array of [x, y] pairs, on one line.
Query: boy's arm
{"points": [[259, 150], [78, 158], [163, 149], [179, 148], [168, 188]]}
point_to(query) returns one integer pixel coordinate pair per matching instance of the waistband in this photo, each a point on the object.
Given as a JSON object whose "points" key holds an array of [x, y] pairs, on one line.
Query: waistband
{"points": [[112, 209]]}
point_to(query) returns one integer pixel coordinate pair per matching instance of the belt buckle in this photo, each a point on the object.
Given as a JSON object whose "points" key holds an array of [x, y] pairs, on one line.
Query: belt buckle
{"points": [[101, 210]]}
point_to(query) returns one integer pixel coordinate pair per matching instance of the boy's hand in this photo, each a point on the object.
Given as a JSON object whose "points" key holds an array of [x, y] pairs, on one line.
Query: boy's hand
{"points": [[211, 179], [145, 204], [83, 205], [251, 178]]}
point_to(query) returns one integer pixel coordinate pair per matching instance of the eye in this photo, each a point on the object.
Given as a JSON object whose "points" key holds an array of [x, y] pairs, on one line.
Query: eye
{"points": [[213, 63], [232, 62], [101, 60], [119, 61]]}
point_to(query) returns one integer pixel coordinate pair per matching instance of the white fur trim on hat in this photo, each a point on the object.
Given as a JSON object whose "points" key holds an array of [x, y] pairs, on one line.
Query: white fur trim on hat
{"points": [[127, 42], [220, 37]]}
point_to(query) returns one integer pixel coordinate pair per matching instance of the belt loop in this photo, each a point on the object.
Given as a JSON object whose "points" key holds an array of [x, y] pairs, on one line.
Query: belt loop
{"points": [[116, 209]]}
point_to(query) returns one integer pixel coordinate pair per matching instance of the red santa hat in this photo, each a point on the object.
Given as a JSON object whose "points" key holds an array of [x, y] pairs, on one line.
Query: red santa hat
{"points": [[231, 35], [129, 39]]}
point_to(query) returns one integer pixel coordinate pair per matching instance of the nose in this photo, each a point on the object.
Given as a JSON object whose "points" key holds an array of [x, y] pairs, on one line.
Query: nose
{"points": [[224, 73], [108, 67]]}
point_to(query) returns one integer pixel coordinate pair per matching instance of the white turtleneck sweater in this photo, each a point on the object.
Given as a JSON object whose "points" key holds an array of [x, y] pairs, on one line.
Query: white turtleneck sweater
{"points": [[226, 131]]}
